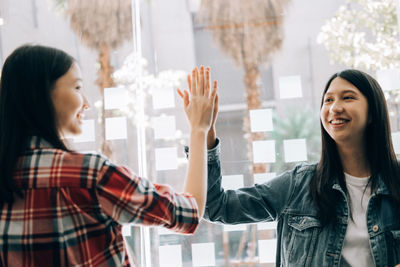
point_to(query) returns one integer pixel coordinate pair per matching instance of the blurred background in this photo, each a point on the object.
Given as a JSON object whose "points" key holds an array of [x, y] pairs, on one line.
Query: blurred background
{"points": [[272, 59]]}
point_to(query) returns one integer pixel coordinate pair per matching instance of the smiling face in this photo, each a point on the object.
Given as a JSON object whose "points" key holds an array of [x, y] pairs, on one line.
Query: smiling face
{"points": [[69, 102], [344, 112]]}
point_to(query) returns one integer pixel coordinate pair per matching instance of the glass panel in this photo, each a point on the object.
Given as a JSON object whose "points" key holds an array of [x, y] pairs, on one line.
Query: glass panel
{"points": [[271, 69], [49, 23]]}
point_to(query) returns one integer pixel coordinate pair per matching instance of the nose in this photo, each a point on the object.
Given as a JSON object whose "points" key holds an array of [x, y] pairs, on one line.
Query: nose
{"points": [[336, 107], [86, 104]]}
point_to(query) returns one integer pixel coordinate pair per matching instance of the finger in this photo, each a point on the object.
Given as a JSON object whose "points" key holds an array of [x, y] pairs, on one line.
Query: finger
{"points": [[216, 103], [194, 81], [201, 84], [179, 92], [189, 81], [214, 91], [215, 110], [186, 98], [197, 77], [207, 83]]}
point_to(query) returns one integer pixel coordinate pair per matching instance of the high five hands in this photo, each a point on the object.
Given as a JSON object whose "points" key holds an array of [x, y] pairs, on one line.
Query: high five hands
{"points": [[201, 102]]}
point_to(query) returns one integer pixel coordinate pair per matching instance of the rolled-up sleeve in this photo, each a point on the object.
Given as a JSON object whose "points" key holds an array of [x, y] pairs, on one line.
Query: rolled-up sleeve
{"points": [[128, 198]]}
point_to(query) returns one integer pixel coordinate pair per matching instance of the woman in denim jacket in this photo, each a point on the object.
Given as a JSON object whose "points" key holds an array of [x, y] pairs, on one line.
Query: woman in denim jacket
{"points": [[342, 211]]}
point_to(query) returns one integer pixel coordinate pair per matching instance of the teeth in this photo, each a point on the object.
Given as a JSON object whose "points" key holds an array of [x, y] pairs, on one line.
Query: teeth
{"points": [[338, 121]]}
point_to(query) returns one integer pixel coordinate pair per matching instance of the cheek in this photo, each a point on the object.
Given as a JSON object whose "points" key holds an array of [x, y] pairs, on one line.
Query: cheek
{"points": [[79, 102], [68, 111], [322, 114], [74, 105], [323, 117]]}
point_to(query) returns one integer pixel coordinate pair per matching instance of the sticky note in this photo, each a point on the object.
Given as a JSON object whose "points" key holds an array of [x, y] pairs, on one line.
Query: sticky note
{"points": [[264, 151], [267, 250], [115, 98], [116, 128], [295, 150], [127, 230], [203, 254], [260, 178], [232, 182], [290, 86], [170, 256], [261, 120], [163, 98], [164, 127]]}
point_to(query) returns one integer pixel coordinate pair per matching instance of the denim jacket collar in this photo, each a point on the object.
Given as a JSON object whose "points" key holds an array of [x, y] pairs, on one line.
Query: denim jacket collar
{"points": [[382, 188]]}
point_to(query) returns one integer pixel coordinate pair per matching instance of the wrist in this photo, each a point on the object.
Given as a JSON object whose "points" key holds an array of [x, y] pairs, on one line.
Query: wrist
{"points": [[198, 133]]}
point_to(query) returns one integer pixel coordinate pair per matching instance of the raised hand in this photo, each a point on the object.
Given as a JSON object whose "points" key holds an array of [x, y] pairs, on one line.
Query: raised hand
{"points": [[199, 109], [199, 102]]}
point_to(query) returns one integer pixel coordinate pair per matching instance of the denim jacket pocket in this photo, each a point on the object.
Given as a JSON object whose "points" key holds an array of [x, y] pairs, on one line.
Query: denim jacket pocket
{"points": [[303, 234], [395, 244]]}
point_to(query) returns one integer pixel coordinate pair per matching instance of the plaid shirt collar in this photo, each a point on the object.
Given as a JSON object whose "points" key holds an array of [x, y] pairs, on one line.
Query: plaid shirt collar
{"points": [[37, 142]]}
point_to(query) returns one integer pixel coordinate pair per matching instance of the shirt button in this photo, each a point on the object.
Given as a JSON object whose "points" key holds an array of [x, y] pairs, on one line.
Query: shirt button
{"points": [[375, 228]]}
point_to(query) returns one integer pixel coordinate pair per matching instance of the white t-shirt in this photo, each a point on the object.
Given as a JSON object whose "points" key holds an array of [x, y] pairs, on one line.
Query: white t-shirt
{"points": [[356, 249]]}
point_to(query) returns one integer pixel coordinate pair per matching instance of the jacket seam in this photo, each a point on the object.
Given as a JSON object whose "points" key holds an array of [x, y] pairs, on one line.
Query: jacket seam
{"points": [[294, 174], [284, 211]]}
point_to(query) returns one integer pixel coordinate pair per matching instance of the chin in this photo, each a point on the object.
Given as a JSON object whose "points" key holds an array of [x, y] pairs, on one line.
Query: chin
{"points": [[72, 133], [77, 131]]}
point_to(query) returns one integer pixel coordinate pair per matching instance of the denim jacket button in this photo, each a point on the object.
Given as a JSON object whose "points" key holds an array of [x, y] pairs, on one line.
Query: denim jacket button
{"points": [[375, 228]]}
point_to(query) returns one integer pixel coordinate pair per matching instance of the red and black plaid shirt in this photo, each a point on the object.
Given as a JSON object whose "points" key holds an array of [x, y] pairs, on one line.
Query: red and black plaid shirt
{"points": [[73, 208]]}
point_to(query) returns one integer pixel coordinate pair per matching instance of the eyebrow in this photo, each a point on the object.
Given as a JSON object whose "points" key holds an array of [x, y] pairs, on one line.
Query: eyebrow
{"points": [[343, 92]]}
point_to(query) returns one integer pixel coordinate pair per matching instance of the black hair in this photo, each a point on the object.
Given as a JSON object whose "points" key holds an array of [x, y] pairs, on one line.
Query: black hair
{"points": [[26, 109], [380, 153]]}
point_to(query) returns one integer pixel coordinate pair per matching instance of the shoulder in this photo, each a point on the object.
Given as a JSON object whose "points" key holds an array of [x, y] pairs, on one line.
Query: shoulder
{"points": [[85, 160], [303, 173], [300, 174], [101, 169], [296, 179], [91, 165], [305, 168], [59, 168]]}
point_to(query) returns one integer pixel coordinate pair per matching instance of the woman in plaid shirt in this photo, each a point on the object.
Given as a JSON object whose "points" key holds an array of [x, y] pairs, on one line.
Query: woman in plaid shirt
{"points": [[62, 208]]}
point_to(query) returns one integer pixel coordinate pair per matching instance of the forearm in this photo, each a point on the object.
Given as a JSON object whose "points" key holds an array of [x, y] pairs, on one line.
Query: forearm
{"points": [[196, 180]]}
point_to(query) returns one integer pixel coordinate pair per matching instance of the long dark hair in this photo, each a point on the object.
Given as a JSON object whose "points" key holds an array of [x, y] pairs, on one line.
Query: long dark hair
{"points": [[380, 153], [26, 108]]}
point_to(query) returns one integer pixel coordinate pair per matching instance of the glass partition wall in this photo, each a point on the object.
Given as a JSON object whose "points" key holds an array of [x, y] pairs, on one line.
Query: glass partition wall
{"points": [[271, 58]]}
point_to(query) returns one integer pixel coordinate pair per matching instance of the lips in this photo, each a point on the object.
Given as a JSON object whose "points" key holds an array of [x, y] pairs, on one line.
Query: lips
{"points": [[338, 121], [80, 116]]}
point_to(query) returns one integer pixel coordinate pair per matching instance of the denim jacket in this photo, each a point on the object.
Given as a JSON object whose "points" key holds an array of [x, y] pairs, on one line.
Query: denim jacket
{"points": [[301, 241]]}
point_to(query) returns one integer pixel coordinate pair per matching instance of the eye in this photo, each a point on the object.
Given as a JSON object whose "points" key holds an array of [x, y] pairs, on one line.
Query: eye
{"points": [[78, 87], [328, 99], [348, 97]]}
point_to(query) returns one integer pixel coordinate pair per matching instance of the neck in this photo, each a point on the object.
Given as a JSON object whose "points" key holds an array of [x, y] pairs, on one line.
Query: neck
{"points": [[354, 160]]}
